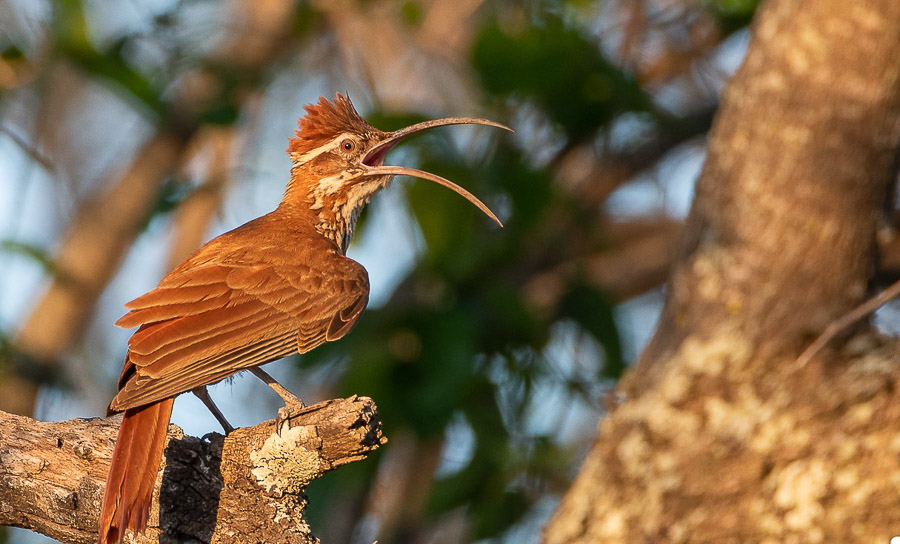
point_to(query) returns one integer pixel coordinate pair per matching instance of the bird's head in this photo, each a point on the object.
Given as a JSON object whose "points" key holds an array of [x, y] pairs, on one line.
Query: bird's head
{"points": [[338, 164]]}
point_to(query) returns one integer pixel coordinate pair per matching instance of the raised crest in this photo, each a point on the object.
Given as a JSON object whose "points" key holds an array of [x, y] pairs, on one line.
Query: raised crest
{"points": [[324, 120]]}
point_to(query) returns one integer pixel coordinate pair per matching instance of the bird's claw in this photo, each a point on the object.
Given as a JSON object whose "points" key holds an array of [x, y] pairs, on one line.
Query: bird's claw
{"points": [[283, 416]]}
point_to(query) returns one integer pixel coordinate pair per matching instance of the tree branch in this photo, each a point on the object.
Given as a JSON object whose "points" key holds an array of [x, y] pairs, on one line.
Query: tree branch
{"points": [[247, 487]]}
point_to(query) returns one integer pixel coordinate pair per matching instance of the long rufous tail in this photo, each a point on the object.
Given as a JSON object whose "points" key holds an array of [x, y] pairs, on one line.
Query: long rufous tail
{"points": [[132, 471]]}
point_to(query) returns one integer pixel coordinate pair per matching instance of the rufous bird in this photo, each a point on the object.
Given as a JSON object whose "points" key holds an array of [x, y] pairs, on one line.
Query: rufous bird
{"points": [[278, 285]]}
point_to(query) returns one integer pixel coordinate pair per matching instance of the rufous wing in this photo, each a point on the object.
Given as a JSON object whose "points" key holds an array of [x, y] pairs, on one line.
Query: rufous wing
{"points": [[211, 319]]}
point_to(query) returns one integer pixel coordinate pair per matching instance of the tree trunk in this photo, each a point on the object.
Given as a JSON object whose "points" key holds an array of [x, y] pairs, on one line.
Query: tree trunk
{"points": [[720, 435], [246, 487]]}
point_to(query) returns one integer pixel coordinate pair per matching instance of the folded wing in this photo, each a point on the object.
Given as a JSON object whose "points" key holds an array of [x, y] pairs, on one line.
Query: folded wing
{"points": [[213, 318]]}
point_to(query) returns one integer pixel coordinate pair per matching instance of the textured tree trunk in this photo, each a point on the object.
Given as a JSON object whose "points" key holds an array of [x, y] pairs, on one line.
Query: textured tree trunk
{"points": [[247, 487], [720, 435]]}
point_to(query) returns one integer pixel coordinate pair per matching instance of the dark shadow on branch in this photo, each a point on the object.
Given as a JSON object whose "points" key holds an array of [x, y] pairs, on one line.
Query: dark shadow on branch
{"points": [[247, 487]]}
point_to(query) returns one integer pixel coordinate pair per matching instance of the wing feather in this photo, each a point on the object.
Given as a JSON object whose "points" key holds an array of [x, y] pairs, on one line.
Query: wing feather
{"points": [[256, 332], [144, 389], [171, 295], [344, 320], [215, 316], [155, 314], [189, 327]]}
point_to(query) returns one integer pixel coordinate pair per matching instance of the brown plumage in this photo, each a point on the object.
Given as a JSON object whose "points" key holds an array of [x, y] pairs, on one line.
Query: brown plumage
{"points": [[132, 472], [272, 287]]}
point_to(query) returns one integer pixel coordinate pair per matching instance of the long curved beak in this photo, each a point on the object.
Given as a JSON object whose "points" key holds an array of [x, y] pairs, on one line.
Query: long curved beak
{"points": [[373, 159]]}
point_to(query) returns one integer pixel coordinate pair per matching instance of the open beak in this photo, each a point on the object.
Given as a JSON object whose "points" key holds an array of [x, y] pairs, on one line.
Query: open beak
{"points": [[373, 159]]}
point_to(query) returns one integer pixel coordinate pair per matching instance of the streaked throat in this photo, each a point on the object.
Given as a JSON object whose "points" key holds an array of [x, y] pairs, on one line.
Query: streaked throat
{"points": [[339, 208]]}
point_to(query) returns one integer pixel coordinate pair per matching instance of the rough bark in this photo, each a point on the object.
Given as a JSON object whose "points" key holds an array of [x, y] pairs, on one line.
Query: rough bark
{"points": [[720, 436], [247, 487]]}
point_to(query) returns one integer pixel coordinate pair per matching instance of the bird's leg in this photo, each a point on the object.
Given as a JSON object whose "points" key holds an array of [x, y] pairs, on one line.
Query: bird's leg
{"points": [[292, 402], [202, 394]]}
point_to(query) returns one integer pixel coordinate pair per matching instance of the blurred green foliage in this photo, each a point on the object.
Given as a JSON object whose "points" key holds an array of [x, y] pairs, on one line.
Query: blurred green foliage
{"points": [[563, 73], [32, 252], [109, 64], [734, 14], [72, 42], [11, 52]]}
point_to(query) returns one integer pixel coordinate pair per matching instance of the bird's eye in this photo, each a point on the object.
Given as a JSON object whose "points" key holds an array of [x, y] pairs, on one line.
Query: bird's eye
{"points": [[348, 145]]}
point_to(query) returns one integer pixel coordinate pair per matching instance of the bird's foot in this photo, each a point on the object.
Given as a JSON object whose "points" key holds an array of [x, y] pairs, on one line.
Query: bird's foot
{"points": [[292, 405], [292, 402]]}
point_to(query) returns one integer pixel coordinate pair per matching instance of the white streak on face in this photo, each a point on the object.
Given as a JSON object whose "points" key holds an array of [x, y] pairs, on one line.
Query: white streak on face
{"points": [[329, 185], [324, 148]]}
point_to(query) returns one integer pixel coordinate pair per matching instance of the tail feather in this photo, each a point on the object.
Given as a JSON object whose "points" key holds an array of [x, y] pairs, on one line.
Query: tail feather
{"points": [[132, 471]]}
